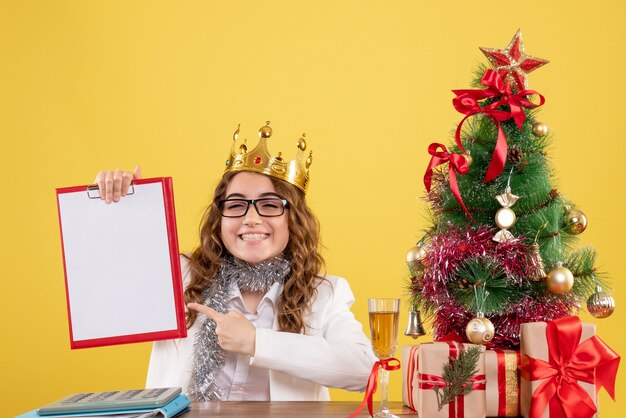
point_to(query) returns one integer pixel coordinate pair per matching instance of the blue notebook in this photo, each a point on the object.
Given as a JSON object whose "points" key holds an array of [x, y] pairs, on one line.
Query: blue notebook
{"points": [[176, 407]]}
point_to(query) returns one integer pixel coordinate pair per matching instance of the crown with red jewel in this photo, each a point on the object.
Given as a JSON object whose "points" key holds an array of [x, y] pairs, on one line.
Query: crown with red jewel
{"points": [[259, 160]]}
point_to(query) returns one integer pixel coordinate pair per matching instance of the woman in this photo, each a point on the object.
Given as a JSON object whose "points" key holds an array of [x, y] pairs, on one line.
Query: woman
{"points": [[262, 322]]}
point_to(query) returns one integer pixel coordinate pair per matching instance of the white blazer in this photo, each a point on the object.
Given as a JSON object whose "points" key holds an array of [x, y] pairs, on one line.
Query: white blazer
{"points": [[334, 352]]}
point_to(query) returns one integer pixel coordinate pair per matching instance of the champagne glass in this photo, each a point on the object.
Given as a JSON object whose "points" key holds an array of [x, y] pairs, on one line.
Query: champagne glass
{"points": [[384, 315]]}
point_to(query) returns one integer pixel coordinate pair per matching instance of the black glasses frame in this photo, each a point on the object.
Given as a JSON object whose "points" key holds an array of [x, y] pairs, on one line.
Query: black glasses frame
{"points": [[220, 205]]}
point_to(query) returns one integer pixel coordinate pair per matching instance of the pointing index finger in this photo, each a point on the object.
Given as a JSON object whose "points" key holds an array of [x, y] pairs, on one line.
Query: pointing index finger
{"points": [[209, 312]]}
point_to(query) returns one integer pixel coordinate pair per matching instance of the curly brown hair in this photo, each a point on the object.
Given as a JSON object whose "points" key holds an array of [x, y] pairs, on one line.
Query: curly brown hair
{"points": [[303, 249]]}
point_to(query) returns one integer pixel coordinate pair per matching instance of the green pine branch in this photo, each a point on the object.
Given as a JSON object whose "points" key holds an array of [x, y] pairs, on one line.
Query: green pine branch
{"points": [[457, 374], [490, 281], [581, 263]]}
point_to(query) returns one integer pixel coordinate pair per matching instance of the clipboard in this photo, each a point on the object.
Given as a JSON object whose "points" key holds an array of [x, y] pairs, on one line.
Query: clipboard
{"points": [[122, 266]]}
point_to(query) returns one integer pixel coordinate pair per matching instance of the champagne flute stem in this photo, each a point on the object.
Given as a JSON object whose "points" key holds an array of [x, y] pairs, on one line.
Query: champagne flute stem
{"points": [[384, 390]]}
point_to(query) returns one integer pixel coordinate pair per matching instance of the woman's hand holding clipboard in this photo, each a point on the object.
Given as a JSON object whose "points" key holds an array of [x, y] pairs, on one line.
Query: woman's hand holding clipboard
{"points": [[114, 184]]}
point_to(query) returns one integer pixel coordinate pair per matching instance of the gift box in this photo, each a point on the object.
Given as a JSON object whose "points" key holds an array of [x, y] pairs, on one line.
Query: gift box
{"points": [[563, 365], [502, 390], [422, 369]]}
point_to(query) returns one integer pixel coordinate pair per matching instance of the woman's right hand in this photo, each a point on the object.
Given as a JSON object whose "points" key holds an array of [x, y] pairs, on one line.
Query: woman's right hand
{"points": [[113, 184]]}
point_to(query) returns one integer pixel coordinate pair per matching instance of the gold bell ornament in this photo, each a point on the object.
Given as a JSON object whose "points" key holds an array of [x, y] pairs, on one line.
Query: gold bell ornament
{"points": [[600, 304], [414, 327]]}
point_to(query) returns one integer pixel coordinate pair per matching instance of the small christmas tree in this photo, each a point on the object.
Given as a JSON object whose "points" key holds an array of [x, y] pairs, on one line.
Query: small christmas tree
{"points": [[500, 249]]}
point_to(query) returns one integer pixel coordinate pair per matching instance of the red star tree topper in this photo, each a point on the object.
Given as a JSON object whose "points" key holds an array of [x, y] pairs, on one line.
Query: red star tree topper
{"points": [[512, 63]]}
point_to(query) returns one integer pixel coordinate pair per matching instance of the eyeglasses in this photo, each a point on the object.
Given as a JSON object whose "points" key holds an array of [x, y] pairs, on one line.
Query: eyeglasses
{"points": [[268, 207]]}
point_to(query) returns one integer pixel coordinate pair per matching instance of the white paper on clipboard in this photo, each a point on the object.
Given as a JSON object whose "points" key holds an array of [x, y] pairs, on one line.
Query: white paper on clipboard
{"points": [[122, 268]]}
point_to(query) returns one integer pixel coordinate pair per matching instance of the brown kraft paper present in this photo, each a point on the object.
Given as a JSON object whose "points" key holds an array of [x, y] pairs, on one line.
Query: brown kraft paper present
{"points": [[589, 357], [423, 365], [502, 389]]}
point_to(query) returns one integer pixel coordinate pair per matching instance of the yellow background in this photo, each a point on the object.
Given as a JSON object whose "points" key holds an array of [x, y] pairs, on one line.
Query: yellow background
{"points": [[87, 85]]}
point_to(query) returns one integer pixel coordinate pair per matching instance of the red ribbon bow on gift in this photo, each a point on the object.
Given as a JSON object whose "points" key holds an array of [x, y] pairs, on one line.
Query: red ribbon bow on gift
{"points": [[456, 162], [570, 361], [466, 102], [372, 384]]}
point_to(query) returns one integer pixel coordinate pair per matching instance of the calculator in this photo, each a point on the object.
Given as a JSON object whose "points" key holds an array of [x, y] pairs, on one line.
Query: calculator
{"points": [[110, 401]]}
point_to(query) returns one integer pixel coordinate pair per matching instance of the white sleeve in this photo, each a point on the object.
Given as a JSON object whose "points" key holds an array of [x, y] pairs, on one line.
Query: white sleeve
{"points": [[336, 353], [169, 359]]}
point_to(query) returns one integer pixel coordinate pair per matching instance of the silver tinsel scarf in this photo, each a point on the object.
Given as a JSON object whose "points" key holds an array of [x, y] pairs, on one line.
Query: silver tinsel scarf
{"points": [[208, 355]]}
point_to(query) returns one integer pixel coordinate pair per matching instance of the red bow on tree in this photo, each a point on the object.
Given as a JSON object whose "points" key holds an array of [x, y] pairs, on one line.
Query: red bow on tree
{"points": [[570, 361], [456, 162], [466, 102]]}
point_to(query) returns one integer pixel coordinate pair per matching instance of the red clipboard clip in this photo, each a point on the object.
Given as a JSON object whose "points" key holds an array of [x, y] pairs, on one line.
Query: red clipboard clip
{"points": [[93, 191]]}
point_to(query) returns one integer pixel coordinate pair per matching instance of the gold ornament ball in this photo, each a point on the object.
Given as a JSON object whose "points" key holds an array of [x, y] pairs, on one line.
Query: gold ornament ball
{"points": [[480, 330], [505, 218], [540, 129], [560, 280], [600, 304], [415, 255], [576, 222]]}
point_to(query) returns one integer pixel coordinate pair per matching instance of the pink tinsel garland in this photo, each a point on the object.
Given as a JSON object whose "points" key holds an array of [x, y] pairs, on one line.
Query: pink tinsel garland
{"points": [[448, 250]]}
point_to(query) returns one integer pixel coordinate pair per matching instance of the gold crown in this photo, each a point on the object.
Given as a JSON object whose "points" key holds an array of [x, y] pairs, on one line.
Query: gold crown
{"points": [[259, 160]]}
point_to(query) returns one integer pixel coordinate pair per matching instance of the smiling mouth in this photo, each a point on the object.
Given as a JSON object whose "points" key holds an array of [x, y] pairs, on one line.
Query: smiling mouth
{"points": [[253, 237]]}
